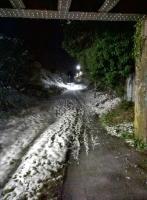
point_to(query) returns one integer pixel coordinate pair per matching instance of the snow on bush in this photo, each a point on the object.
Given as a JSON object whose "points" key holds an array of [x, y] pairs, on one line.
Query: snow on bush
{"points": [[52, 80], [101, 103]]}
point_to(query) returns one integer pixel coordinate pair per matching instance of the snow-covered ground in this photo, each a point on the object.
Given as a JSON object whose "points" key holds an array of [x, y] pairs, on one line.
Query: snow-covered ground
{"points": [[60, 81], [44, 158], [17, 136], [34, 147], [121, 129], [99, 102]]}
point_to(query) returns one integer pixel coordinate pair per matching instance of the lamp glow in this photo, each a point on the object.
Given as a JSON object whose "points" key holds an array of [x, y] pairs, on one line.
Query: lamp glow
{"points": [[78, 67]]}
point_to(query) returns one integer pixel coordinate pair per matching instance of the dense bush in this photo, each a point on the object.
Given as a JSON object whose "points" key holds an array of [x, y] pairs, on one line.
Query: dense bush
{"points": [[19, 75], [104, 53], [17, 68]]}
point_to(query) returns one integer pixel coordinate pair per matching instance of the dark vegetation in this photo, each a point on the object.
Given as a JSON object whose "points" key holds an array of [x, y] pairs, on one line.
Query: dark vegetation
{"points": [[105, 52], [20, 77], [27, 47], [18, 68]]}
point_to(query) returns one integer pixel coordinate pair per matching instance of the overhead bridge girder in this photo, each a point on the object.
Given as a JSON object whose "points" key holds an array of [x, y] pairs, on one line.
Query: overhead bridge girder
{"points": [[108, 5], [17, 3], [45, 14], [64, 5]]}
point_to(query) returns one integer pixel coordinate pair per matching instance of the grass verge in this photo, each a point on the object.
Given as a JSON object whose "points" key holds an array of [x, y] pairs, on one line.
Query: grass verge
{"points": [[119, 122], [124, 112]]}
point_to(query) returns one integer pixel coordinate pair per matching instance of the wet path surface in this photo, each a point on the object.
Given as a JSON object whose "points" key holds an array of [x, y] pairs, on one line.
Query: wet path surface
{"points": [[107, 170], [34, 149]]}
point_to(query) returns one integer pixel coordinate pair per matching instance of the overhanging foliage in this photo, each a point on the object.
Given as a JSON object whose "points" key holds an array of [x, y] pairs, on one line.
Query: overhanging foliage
{"points": [[105, 53]]}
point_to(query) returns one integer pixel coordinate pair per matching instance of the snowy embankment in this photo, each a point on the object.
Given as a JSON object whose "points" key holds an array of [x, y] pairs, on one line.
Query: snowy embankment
{"points": [[42, 161], [100, 104], [121, 129], [60, 81], [52, 80], [17, 136]]}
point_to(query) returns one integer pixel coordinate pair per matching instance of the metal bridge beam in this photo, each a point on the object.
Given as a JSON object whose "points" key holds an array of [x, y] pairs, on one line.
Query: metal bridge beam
{"points": [[46, 14], [108, 5], [64, 5], [17, 3]]}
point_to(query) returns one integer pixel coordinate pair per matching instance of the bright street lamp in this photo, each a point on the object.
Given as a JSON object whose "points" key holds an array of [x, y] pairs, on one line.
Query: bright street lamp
{"points": [[78, 67]]}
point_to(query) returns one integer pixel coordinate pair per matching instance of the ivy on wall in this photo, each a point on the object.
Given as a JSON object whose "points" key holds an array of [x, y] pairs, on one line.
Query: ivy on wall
{"points": [[138, 40]]}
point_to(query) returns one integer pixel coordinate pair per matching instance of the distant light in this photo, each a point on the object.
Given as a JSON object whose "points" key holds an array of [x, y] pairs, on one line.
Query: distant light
{"points": [[80, 73], [78, 67], [72, 86]]}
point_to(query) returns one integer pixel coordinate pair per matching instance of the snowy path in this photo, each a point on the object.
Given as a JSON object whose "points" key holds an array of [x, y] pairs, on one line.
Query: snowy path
{"points": [[35, 150], [34, 147]]}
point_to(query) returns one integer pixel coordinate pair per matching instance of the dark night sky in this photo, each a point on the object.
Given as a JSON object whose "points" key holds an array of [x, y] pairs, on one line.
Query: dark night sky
{"points": [[43, 37], [45, 32]]}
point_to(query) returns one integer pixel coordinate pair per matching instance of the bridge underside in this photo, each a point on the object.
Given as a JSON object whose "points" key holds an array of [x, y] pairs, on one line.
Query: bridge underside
{"points": [[102, 10], [62, 15]]}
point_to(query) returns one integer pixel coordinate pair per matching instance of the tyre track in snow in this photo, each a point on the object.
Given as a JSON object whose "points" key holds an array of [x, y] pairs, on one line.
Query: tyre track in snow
{"points": [[24, 133], [66, 129], [23, 137]]}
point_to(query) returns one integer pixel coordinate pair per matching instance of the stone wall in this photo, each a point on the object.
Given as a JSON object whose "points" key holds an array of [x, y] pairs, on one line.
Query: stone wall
{"points": [[141, 89]]}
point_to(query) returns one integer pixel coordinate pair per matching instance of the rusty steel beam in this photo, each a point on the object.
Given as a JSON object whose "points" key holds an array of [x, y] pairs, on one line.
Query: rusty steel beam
{"points": [[64, 5], [108, 5], [46, 14], [17, 3]]}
